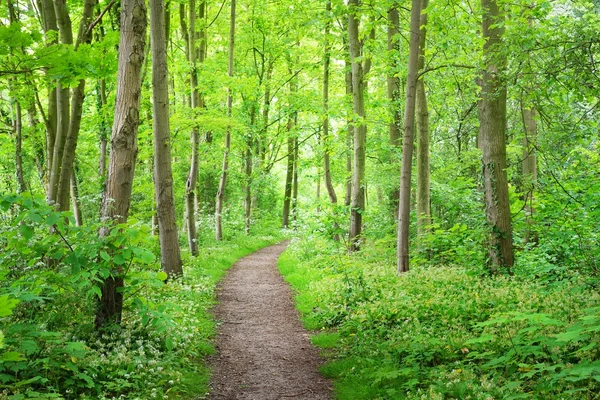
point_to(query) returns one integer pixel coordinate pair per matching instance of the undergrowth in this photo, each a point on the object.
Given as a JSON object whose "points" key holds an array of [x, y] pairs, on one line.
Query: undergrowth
{"points": [[444, 332], [48, 289]]}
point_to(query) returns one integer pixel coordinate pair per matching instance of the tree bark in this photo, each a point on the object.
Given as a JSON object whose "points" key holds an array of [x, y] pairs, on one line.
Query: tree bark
{"points": [[289, 176], [393, 88], [62, 106], [492, 125], [349, 137], [224, 169], [248, 170], [74, 189], [529, 165], [326, 135], [163, 176], [408, 139], [360, 129], [18, 133], [423, 185], [117, 194], [196, 104]]}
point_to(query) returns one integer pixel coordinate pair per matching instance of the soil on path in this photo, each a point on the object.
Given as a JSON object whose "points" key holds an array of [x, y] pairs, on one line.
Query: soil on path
{"points": [[263, 352]]}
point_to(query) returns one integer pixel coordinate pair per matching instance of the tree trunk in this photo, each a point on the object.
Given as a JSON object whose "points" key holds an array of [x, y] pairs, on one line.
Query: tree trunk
{"points": [[295, 177], [289, 176], [62, 106], [326, 135], [196, 104], [224, 169], [423, 191], [408, 139], [393, 88], [248, 170], [74, 189], [163, 176], [103, 130], [529, 170], [117, 194], [492, 125], [50, 27], [18, 132], [360, 129], [349, 139]]}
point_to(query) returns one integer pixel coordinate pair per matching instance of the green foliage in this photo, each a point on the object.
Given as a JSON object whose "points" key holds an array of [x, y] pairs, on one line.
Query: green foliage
{"points": [[51, 271], [442, 332]]}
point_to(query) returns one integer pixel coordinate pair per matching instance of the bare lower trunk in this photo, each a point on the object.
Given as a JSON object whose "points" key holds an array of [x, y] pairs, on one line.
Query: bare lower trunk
{"points": [[360, 129], [170, 256], [224, 170], [349, 139], [423, 196], [393, 88], [326, 135], [70, 146], [423, 185], [222, 185], [196, 103], [492, 125], [117, 194], [74, 190], [289, 176], [295, 181], [18, 132], [529, 171], [408, 139]]}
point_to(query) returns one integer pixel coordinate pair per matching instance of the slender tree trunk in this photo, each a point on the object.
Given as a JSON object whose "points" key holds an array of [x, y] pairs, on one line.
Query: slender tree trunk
{"points": [[66, 168], [50, 27], [349, 139], [289, 176], [223, 180], [408, 139], [492, 125], [295, 177], [326, 135], [248, 171], [423, 192], [529, 170], [163, 175], [18, 132], [17, 117], [103, 130], [117, 194], [74, 189], [393, 88], [62, 106], [196, 104], [360, 129], [393, 80]]}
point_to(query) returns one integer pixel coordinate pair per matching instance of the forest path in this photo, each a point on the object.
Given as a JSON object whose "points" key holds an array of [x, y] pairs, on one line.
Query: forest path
{"points": [[263, 352]]}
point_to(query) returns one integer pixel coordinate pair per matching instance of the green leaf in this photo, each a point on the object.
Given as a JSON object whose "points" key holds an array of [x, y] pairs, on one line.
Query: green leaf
{"points": [[26, 231], [11, 356], [52, 219], [104, 255], [147, 257], [7, 304], [119, 259], [162, 276]]}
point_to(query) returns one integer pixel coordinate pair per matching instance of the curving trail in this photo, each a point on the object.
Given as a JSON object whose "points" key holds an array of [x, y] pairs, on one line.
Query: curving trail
{"points": [[263, 353]]}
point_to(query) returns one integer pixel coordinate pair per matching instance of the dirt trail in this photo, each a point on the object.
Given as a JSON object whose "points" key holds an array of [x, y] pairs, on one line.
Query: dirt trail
{"points": [[263, 352]]}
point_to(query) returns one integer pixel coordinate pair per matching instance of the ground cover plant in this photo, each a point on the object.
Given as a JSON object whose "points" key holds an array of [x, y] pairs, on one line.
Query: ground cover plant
{"points": [[49, 346], [444, 332]]}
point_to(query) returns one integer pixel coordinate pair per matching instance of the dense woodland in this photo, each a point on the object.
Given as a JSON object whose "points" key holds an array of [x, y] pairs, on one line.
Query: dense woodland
{"points": [[435, 162]]}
